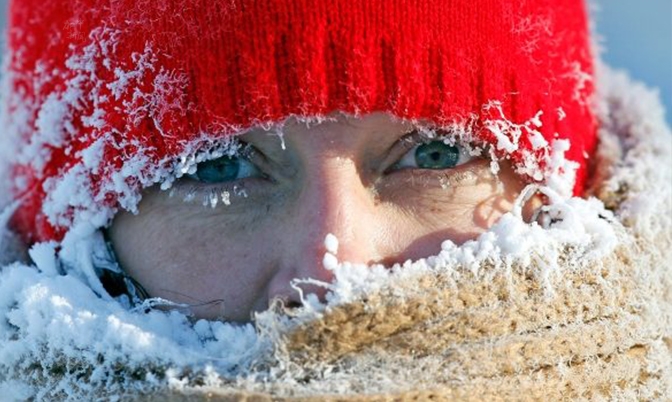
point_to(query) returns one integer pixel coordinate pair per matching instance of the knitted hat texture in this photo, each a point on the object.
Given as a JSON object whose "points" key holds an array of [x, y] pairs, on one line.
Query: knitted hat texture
{"points": [[103, 98]]}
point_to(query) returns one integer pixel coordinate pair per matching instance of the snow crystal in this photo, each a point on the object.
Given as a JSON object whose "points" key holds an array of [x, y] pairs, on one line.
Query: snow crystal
{"points": [[44, 256], [331, 243], [93, 155], [330, 261], [544, 163]]}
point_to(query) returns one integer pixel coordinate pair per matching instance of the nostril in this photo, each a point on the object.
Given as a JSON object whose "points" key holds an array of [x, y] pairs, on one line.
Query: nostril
{"points": [[293, 304], [280, 303]]}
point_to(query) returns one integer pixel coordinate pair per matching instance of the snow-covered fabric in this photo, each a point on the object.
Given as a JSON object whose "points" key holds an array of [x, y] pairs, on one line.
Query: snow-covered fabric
{"points": [[578, 306]]}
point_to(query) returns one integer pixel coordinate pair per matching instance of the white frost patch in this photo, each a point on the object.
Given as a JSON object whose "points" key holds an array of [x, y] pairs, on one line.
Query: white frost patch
{"points": [[330, 261], [561, 114], [581, 79], [331, 244], [544, 163], [44, 255], [65, 318]]}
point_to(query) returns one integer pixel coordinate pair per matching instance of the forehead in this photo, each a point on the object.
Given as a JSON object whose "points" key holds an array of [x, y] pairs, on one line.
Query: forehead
{"points": [[337, 133], [373, 124]]}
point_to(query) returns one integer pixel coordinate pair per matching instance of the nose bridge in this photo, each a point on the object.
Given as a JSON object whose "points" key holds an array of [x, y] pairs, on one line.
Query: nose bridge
{"points": [[332, 200], [335, 201]]}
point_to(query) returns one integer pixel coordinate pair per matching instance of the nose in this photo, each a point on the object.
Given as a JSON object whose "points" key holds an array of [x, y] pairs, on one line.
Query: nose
{"points": [[332, 200]]}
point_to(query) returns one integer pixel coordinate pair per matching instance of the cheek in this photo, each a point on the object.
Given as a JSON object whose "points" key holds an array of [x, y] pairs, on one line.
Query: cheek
{"points": [[457, 205], [186, 254]]}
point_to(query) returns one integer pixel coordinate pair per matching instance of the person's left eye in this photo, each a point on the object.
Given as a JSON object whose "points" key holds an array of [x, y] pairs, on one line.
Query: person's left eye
{"points": [[432, 155], [225, 169]]}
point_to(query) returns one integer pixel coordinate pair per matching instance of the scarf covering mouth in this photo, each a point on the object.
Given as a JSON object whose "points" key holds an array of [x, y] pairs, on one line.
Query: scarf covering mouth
{"points": [[580, 309]]}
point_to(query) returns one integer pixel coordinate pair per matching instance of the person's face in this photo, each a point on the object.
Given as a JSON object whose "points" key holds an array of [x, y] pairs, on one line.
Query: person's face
{"points": [[387, 194]]}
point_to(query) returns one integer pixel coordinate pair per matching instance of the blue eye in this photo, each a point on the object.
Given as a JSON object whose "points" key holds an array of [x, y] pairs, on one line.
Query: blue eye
{"points": [[436, 155], [433, 155], [224, 169]]}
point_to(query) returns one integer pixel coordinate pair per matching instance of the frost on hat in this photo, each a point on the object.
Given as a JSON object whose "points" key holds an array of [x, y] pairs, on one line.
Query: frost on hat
{"points": [[104, 98]]}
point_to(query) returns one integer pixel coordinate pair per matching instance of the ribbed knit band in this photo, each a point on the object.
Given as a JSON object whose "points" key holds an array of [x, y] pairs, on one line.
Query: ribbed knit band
{"points": [[104, 97]]}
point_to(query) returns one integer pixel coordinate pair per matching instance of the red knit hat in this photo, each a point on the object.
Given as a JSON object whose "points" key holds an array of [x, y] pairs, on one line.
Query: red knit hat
{"points": [[106, 97]]}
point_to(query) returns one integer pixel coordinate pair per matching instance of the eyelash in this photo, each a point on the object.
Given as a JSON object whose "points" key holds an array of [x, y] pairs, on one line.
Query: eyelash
{"points": [[191, 190], [210, 195]]}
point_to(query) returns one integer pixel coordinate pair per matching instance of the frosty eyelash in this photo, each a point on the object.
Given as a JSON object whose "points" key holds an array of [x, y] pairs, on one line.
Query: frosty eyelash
{"points": [[192, 189], [209, 195]]}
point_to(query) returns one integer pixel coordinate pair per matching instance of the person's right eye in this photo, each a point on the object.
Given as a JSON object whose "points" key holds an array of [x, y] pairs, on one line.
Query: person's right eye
{"points": [[225, 169]]}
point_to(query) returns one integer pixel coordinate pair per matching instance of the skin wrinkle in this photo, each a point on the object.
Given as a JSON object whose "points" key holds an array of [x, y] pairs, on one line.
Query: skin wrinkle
{"points": [[331, 178]]}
